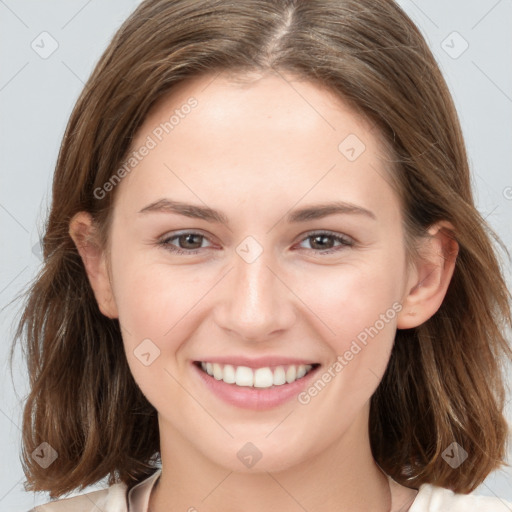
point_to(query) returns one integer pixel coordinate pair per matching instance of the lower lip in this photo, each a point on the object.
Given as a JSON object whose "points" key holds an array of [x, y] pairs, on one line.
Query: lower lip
{"points": [[258, 399]]}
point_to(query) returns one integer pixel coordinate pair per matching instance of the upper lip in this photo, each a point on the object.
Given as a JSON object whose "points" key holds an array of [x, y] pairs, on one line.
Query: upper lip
{"points": [[257, 362]]}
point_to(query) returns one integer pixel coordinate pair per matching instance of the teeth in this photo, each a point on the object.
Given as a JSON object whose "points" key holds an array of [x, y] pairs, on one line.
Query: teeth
{"points": [[259, 378], [217, 371], [244, 376], [229, 375], [301, 371], [279, 376], [263, 378], [291, 373]]}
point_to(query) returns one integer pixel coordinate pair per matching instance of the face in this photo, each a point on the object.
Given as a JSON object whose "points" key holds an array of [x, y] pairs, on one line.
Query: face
{"points": [[221, 251]]}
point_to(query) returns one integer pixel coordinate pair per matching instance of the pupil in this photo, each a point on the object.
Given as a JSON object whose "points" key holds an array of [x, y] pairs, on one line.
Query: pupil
{"points": [[322, 238], [188, 238]]}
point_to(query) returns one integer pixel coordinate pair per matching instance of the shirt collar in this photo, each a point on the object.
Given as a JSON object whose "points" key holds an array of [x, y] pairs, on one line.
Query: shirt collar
{"points": [[138, 496]]}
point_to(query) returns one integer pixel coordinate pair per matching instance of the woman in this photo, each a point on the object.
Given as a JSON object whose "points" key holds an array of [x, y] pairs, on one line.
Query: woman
{"points": [[266, 368]]}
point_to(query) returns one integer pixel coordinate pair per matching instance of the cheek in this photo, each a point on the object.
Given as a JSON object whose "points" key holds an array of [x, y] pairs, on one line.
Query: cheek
{"points": [[350, 298], [146, 296], [358, 305], [358, 308], [155, 309]]}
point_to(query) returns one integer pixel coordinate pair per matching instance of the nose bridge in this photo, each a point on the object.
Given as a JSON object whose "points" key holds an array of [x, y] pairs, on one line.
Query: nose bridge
{"points": [[256, 302]]}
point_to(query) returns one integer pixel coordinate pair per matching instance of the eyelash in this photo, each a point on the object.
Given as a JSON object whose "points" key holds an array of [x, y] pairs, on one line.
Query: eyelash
{"points": [[344, 240]]}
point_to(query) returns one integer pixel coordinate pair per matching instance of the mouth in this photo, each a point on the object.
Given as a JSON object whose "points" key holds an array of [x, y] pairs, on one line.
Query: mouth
{"points": [[262, 378], [254, 387]]}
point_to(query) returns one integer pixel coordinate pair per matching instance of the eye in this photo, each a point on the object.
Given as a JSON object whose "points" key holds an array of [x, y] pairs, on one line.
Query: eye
{"points": [[187, 241], [190, 242], [322, 245]]}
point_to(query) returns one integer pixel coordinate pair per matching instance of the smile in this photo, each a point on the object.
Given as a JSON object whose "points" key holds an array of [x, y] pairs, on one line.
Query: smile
{"points": [[264, 377], [254, 383]]}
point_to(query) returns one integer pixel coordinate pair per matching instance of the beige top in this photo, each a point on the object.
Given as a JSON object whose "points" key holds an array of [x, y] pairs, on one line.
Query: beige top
{"points": [[116, 499], [138, 497]]}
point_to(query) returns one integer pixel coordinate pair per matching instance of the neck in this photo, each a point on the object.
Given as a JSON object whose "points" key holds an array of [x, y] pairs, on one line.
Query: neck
{"points": [[342, 477]]}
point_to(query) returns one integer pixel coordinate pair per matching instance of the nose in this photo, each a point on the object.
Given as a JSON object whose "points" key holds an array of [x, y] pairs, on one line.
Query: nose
{"points": [[255, 302]]}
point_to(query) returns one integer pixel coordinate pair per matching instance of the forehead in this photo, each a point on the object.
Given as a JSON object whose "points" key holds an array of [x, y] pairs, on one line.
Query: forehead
{"points": [[275, 135], [271, 101]]}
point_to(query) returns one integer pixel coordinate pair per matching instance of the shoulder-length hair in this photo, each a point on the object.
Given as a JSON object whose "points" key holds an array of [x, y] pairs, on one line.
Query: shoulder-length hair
{"points": [[444, 382]]}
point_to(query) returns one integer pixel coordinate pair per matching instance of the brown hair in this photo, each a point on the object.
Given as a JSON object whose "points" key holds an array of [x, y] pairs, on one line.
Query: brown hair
{"points": [[444, 381]]}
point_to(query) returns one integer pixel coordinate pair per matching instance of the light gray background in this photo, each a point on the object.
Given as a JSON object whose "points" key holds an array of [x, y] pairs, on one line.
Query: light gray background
{"points": [[37, 95]]}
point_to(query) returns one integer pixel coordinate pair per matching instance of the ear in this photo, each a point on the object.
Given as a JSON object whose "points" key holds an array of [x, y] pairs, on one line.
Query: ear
{"points": [[430, 277], [84, 234]]}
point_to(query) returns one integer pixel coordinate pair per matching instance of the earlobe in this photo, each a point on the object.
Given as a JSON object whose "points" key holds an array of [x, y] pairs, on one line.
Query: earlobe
{"points": [[83, 233], [431, 277]]}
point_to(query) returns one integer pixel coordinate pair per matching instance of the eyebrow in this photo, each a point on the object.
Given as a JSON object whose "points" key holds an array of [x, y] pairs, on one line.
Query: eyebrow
{"points": [[313, 212]]}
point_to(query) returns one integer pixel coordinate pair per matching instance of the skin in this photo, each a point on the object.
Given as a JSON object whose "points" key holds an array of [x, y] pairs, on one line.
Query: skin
{"points": [[256, 150]]}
